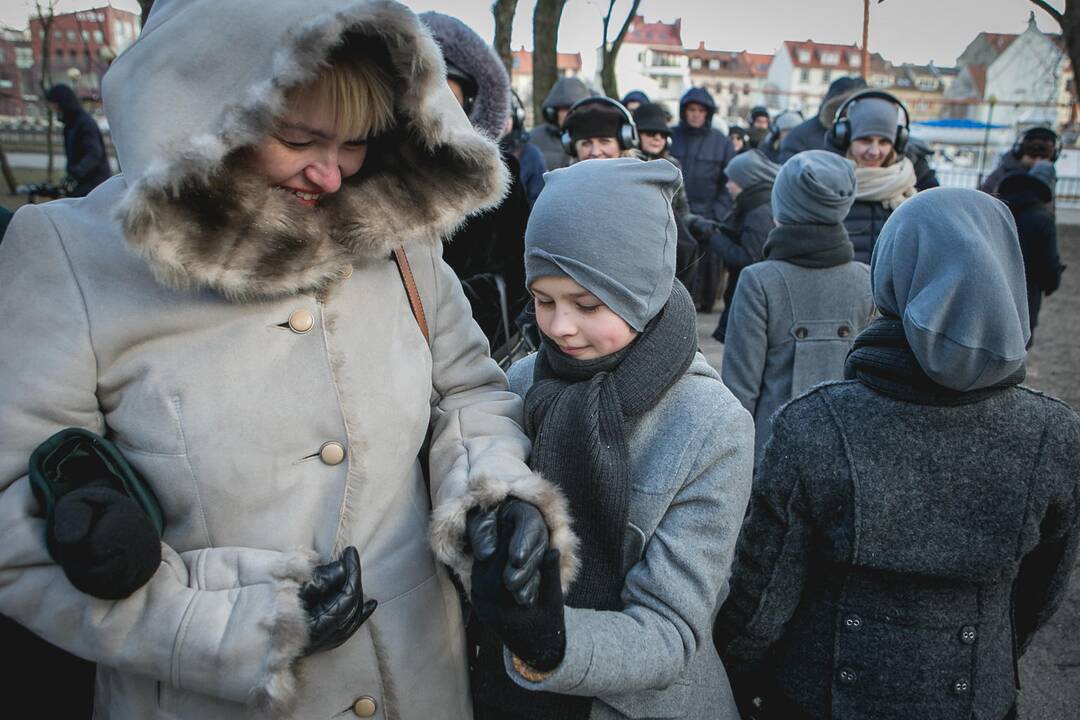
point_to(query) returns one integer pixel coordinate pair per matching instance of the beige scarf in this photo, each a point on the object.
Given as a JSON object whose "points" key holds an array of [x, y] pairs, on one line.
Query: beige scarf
{"points": [[890, 185]]}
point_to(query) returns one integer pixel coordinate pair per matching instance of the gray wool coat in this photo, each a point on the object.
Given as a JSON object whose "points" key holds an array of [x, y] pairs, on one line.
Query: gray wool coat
{"points": [[898, 557], [655, 659], [790, 328]]}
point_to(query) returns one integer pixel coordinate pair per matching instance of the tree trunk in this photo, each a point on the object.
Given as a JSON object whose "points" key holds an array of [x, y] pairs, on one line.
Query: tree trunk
{"points": [[46, 16], [1069, 20], [5, 168], [546, 17], [504, 10], [611, 53]]}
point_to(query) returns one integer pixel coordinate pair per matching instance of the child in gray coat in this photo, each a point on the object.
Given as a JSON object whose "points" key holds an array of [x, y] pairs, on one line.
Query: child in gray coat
{"points": [[651, 451], [795, 315]]}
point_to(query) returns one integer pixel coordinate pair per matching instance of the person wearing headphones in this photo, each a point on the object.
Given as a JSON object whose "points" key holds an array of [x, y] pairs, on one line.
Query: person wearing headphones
{"points": [[547, 136], [599, 128], [867, 129], [1032, 145], [781, 125]]}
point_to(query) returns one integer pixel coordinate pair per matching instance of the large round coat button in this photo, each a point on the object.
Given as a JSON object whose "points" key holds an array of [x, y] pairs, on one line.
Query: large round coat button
{"points": [[844, 331], [301, 321], [801, 333], [364, 707], [968, 634], [847, 676], [332, 453]]}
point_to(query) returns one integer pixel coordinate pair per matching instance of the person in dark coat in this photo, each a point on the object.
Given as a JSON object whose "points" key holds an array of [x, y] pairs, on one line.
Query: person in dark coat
{"points": [[1033, 145], [87, 161], [529, 157], [912, 526], [784, 123], [1029, 196], [545, 136], [704, 152], [635, 99], [492, 243], [739, 137], [810, 134], [741, 238], [885, 179], [760, 126]]}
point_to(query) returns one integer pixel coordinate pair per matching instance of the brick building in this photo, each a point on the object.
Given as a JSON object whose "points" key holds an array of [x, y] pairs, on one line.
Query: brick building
{"points": [[521, 75], [82, 44], [736, 80], [17, 85]]}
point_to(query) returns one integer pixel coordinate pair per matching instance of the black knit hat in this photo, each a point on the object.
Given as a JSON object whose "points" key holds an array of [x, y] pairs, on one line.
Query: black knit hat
{"points": [[759, 111], [593, 120], [651, 117]]}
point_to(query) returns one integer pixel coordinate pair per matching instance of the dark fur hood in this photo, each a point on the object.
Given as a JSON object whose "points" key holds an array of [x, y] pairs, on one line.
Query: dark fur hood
{"points": [[207, 78]]}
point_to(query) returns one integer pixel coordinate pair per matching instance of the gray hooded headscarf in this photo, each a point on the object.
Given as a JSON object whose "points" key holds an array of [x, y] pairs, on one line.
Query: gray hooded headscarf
{"points": [[948, 265]]}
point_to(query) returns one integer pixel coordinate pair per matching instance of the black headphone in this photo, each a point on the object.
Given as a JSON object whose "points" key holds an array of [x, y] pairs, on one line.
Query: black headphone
{"points": [[517, 110], [774, 128], [1018, 146], [627, 136], [840, 133]]}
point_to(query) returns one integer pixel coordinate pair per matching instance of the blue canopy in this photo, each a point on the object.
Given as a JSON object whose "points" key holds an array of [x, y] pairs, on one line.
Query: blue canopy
{"points": [[959, 124]]}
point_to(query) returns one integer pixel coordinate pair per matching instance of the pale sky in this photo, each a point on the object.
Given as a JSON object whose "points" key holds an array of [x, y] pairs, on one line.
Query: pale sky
{"points": [[901, 30]]}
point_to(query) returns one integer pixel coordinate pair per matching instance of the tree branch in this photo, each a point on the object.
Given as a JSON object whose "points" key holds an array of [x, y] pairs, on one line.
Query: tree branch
{"points": [[607, 22], [1056, 14]]}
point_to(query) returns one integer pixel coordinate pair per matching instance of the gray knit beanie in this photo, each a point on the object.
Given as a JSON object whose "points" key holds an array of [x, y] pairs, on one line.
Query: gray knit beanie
{"points": [[815, 187], [751, 168], [873, 116], [580, 228]]}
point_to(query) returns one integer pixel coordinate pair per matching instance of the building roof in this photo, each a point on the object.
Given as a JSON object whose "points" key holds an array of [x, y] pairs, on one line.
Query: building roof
{"points": [[656, 33], [816, 51], [523, 61], [977, 73], [732, 63]]}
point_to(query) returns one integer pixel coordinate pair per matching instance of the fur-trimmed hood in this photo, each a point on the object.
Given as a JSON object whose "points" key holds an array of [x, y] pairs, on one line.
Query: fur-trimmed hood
{"points": [[461, 46], [207, 78]]}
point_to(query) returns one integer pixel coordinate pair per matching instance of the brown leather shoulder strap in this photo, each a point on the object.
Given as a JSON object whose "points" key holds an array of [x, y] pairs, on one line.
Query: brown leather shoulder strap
{"points": [[409, 282]]}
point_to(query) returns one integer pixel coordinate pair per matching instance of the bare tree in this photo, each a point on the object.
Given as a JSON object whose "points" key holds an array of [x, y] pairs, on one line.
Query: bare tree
{"points": [[5, 169], [46, 14], [609, 52], [1069, 20], [504, 10], [546, 17]]}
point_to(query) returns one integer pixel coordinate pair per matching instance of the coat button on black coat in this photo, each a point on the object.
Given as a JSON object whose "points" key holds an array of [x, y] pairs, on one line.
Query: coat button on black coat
{"points": [[852, 622], [847, 676], [968, 634], [961, 686]]}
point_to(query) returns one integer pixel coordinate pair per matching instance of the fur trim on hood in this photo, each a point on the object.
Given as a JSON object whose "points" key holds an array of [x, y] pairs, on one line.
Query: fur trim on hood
{"points": [[463, 47], [187, 95]]}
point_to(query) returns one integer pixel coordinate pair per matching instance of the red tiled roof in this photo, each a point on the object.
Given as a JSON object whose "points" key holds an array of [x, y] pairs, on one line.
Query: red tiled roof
{"points": [[978, 78], [657, 33], [816, 49], [998, 41], [734, 64], [523, 65]]}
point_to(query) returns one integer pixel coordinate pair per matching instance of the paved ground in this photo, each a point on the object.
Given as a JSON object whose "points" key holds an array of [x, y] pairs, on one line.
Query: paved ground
{"points": [[1050, 670]]}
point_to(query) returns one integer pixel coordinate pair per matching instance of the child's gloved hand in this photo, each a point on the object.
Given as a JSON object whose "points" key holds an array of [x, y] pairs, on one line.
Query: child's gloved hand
{"points": [[535, 633], [104, 541], [519, 526]]}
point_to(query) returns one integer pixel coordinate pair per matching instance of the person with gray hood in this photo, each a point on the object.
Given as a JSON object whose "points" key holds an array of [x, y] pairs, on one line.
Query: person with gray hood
{"points": [[740, 240], [257, 314], [652, 452], [794, 315], [547, 135], [914, 524]]}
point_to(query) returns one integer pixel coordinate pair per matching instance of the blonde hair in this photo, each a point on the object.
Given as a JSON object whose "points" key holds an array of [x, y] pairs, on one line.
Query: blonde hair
{"points": [[359, 94]]}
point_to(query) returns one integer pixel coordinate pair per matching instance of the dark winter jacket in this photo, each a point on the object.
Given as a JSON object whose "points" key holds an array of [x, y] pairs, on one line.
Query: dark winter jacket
{"points": [[87, 161], [703, 153], [545, 136], [531, 161], [879, 561], [1007, 165], [864, 223], [493, 243], [919, 153], [1038, 242], [740, 241], [807, 135]]}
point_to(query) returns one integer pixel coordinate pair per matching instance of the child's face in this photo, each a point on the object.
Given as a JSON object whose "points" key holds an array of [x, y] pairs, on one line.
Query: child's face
{"points": [[576, 321]]}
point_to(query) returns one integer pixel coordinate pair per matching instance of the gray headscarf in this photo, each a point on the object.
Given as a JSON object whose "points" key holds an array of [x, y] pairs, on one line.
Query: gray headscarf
{"points": [[752, 168], [948, 265], [816, 187]]}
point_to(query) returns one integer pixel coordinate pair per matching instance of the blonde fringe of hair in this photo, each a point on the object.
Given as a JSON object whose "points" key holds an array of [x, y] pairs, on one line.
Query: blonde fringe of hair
{"points": [[358, 92]]}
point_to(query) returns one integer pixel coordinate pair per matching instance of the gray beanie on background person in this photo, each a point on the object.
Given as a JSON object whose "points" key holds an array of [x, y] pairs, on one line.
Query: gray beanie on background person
{"points": [[815, 187], [948, 264], [874, 116], [581, 228], [751, 168]]}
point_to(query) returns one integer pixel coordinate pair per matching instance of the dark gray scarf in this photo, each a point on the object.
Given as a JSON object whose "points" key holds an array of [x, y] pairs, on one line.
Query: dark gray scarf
{"points": [[813, 246], [576, 413]]}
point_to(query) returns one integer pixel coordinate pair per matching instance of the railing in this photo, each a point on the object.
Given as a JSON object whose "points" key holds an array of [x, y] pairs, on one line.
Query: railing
{"points": [[1068, 188]]}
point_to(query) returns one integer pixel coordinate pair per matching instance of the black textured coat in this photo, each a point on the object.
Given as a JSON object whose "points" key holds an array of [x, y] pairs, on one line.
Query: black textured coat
{"points": [[898, 557], [863, 223], [1035, 224]]}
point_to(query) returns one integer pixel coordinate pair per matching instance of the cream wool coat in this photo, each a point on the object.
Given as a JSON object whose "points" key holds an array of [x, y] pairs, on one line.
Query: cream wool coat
{"points": [[267, 377]]}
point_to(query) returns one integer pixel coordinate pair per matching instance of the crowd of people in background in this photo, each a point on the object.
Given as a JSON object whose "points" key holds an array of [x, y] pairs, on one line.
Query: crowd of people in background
{"points": [[263, 357]]}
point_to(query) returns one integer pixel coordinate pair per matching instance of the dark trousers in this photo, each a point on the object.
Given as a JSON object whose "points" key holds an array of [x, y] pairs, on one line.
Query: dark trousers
{"points": [[32, 664]]}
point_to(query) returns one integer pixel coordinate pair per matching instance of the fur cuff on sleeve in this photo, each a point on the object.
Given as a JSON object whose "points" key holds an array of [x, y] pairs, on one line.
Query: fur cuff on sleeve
{"points": [[447, 532], [275, 695]]}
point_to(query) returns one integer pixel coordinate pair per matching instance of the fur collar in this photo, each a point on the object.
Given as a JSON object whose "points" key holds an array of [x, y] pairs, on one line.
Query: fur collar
{"points": [[202, 221]]}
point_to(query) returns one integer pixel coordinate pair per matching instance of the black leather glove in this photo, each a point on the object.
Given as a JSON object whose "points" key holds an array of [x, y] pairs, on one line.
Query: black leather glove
{"points": [[520, 527], [104, 541], [334, 601], [536, 633]]}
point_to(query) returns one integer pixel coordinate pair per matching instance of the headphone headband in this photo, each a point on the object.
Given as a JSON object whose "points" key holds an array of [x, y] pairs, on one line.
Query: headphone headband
{"points": [[1018, 146], [627, 135]]}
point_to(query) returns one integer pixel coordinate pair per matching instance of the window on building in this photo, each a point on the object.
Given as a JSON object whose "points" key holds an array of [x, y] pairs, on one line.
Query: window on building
{"points": [[57, 35], [746, 89], [830, 58], [714, 64], [804, 75], [71, 35], [663, 81], [804, 56], [854, 60], [40, 34], [98, 37], [2, 57], [74, 55], [826, 75], [85, 34], [695, 63]]}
